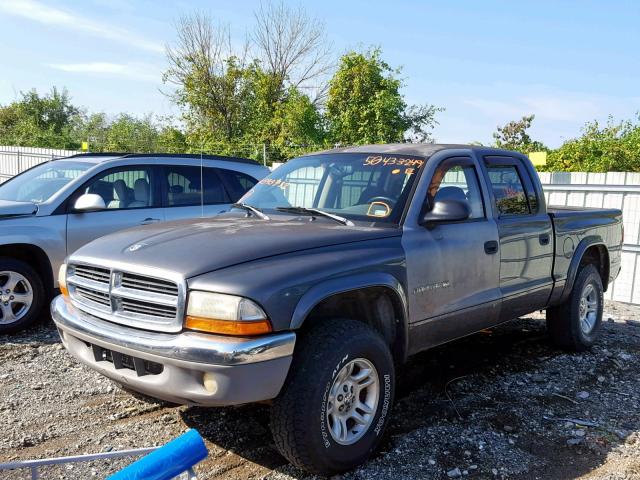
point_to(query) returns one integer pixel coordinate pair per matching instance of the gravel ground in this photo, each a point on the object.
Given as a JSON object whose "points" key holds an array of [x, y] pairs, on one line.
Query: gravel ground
{"points": [[499, 404]]}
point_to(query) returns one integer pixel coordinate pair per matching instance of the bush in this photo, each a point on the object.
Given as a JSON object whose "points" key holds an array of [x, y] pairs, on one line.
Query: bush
{"points": [[612, 147]]}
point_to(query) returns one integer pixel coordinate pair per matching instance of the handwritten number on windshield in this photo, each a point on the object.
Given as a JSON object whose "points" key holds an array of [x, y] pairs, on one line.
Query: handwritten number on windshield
{"points": [[381, 160]]}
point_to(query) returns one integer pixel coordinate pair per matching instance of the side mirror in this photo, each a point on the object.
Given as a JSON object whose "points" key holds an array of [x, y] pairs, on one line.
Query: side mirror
{"points": [[89, 202], [447, 211]]}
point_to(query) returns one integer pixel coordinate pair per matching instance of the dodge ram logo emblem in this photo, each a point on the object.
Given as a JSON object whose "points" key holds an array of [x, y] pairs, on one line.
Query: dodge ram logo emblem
{"points": [[136, 246]]}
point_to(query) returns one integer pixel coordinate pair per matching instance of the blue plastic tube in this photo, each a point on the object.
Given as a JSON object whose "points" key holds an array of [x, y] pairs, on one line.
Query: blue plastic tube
{"points": [[175, 457]]}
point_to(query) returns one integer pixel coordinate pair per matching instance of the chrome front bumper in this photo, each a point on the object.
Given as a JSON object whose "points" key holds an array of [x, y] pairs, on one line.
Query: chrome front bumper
{"points": [[237, 370]]}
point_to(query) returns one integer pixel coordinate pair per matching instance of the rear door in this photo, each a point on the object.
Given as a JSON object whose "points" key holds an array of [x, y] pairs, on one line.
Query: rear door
{"points": [[191, 192], [526, 237], [131, 196]]}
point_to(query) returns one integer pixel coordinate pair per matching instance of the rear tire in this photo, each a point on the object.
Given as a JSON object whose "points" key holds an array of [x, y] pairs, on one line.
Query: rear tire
{"points": [[575, 324], [331, 414], [22, 295]]}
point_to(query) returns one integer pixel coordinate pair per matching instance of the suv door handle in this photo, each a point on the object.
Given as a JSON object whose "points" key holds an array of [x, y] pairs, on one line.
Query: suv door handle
{"points": [[544, 239], [149, 220], [491, 247]]}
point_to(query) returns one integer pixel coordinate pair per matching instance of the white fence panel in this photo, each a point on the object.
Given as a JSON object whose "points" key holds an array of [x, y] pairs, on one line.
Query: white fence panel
{"points": [[573, 189], [605, 190], [14, 160]]}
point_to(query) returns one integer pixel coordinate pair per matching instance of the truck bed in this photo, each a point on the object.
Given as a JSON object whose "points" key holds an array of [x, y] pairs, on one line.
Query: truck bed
{"points": [[563, 212], [572, 225], [579, 220]]}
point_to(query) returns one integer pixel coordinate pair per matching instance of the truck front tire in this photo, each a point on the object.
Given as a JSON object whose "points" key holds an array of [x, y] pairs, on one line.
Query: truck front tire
{"points": [[331, 414], [21, 295], [575, 324]]}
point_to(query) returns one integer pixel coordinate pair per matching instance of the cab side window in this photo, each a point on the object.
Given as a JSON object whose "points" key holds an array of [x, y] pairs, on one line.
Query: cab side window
{"points": [[236, 183], [124, 188], [456, 179], [508, 190], [185, 186]]}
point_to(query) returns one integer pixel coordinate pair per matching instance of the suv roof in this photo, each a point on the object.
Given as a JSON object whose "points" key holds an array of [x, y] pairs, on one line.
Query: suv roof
{"points": [[108, 155]]}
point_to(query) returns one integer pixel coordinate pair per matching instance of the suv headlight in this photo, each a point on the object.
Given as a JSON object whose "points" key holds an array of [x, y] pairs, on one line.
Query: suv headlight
{"points": [[225, 314]]}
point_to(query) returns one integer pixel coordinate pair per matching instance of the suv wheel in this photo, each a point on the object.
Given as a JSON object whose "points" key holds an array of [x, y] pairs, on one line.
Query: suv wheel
{"points": [[576, 323], [336, 402], [21, 295]]}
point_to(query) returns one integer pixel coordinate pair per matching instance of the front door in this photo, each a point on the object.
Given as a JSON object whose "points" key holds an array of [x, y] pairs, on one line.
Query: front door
{"points": [[453, 267], [130, 199]]}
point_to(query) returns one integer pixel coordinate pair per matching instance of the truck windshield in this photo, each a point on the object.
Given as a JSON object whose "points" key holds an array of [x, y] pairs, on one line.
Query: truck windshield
{"points": [[40, 183], [367, 187]]}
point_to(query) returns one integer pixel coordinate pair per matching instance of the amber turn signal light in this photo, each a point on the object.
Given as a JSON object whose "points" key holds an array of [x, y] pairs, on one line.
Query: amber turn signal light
{"points": [[228, 327], [62, 280]]}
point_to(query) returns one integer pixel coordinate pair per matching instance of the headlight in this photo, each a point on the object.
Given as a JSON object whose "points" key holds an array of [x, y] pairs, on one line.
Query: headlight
{"points": [[225, 314], [62, 280]]}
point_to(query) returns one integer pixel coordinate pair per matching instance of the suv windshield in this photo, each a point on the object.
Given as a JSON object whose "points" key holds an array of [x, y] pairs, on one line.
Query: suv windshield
{"points": [[40, 183], [369, 187]]}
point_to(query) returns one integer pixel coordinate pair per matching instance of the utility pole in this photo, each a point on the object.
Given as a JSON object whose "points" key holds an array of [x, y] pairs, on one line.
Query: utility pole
{"points": [[264, 154]]}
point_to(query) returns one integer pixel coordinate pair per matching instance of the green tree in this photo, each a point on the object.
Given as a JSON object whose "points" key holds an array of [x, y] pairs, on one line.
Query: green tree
{"points": [[515, 136], [171, 140], [614, 146], [296, 126], [214, 87], [92, 128], [40, 120], [130, 134], [232, 105], [364, 104]]}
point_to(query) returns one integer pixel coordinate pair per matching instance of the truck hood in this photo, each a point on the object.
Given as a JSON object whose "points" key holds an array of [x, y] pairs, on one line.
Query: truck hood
{"points": [[10, 208], [193, 247]]}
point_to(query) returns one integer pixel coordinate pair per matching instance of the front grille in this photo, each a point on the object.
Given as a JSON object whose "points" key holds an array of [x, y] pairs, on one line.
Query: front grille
{"points": [[96, 274], [120, 360], [94, 296], [146, 308], [125, 297], [138, 282]]}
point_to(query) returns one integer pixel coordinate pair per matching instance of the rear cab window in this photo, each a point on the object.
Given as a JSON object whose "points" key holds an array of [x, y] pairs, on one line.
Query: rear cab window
{"points": [[512, 189]]}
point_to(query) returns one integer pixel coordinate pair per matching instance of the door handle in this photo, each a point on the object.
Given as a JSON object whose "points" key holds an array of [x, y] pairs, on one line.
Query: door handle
{"points": [[149, 220], [491, 247], [544, 239]]}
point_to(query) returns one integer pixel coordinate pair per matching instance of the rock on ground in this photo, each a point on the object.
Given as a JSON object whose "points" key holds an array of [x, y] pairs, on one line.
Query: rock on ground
{"points": [[498, 404]]}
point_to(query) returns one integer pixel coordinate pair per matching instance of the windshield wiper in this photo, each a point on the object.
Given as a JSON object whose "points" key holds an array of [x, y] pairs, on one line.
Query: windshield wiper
{"points": [[315, 211], [251, 209]]}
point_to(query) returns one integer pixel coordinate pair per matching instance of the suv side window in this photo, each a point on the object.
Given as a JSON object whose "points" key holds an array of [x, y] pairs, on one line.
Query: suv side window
{"points": [[236, 183], [124, 188], [184, 186], [456, 179], [508, 190]]}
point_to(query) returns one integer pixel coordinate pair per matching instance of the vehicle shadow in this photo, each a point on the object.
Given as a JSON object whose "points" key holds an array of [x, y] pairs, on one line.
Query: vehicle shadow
{"points": [[42, 332], [470, 383]]}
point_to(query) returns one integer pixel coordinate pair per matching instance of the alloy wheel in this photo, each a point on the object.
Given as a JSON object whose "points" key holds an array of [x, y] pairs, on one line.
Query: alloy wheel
{"points": [[16, 296]]}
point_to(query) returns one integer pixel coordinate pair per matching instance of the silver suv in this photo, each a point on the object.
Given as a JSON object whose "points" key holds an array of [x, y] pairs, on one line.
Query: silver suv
{"points": [[49, 211]]}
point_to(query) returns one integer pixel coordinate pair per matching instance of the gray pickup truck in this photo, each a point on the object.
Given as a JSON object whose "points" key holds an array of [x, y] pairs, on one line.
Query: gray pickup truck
{"points": [[49, 211], [325, 277]]}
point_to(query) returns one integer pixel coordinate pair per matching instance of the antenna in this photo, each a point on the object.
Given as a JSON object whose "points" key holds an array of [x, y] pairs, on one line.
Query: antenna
{"points": [[201, 184]]}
